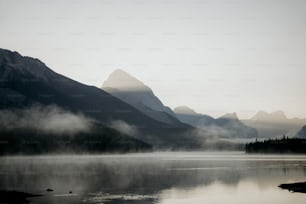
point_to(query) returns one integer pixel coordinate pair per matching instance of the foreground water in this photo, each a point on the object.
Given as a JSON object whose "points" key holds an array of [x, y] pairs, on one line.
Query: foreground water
{"points": [[162, 178]]}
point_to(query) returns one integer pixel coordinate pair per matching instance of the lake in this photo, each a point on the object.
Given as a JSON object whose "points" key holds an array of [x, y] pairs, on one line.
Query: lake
{"points": [[161, 178]]}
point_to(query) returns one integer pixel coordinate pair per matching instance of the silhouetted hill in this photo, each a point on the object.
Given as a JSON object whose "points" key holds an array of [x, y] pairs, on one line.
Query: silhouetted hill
{"points": [[227, 126], [25, 81]]}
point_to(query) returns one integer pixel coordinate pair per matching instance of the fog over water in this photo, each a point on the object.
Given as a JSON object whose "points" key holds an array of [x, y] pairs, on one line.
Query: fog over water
{"points": [[165, 178]]}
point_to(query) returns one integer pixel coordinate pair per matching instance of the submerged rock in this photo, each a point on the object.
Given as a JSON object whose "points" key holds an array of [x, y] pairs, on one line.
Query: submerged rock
{"points": [[294, 187], [15, 197]]}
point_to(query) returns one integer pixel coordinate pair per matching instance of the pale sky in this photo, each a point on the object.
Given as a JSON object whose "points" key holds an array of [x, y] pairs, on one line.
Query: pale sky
{"points": [[215, 56]]}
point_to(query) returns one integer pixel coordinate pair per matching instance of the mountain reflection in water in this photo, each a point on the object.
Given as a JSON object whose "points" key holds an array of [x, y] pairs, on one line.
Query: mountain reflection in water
{"points": [[165, 178]]}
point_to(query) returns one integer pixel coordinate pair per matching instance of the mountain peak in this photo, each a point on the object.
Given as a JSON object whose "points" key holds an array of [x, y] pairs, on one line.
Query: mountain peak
{"points": [[134, 92], [184, 110], [279, 113], [12, 61], [120, 72], [8, 52], [273, 116], [230, 116], [121, 80]]}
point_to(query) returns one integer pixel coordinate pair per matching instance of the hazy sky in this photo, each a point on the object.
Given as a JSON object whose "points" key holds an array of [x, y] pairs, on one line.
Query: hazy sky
{"points": [[215, 56]]}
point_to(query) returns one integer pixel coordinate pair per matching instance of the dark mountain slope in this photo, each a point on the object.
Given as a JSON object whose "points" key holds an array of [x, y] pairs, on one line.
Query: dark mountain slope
{"points": [[25, 81], [99, 139]]}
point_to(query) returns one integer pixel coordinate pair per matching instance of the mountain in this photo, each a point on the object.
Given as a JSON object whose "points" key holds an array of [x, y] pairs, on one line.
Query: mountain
{"points": [[274, 124], [134, 92], [302, 133], [232, 116], [274, 116], [227, 126], [25, 81], [189, 116], [184, 110]]}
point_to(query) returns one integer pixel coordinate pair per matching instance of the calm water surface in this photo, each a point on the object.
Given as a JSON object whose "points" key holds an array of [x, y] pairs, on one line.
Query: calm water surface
{"points": [[161, 178]]}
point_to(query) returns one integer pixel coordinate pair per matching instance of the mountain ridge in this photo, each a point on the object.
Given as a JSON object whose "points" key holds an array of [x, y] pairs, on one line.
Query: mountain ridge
{"points": [[272, 116], [227, 126], [25, 81], [274, 124]]}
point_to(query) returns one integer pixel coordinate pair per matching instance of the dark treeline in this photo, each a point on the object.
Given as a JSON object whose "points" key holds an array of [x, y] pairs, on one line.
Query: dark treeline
{"points": [[101, 139], [284, 145]]}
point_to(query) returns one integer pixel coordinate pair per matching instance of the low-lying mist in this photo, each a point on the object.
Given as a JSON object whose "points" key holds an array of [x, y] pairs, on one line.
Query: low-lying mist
{"points": [[215, 141], [49, 119], [55, 120], [123, 127]]}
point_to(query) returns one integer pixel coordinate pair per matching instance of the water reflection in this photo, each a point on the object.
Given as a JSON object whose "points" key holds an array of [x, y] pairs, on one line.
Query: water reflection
{"points": [[155, 178], [220, 193]]}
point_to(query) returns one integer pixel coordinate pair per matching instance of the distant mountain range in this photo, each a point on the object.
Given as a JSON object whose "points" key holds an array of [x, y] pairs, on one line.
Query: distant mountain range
{"points": [[276, 116], [134, 92], [26, 81], [275, 124], [227, 126]]}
